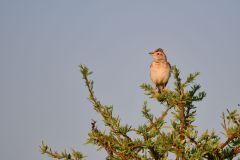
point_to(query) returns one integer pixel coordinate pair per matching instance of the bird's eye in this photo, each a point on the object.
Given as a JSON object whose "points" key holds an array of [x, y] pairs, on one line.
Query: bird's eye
{"points": [[157, 53]]}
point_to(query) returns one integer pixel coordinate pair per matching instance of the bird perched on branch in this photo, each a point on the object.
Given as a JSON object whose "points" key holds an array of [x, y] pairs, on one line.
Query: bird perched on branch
{"points": [[159, 69]]}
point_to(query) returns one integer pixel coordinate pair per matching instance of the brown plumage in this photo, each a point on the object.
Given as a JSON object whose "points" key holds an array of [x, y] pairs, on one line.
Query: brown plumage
{"points": [[159, 69]]}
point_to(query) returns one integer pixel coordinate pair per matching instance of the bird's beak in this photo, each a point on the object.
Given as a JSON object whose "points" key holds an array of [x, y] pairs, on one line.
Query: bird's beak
{"points": [[150, 53]]}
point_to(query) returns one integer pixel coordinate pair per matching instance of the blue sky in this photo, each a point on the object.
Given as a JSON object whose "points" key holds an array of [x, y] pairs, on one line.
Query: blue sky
{"points": [[42, 43]]}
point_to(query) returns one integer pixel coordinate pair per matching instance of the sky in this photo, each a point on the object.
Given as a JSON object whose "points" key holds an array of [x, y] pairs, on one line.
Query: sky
{"points": [[42, 94]]}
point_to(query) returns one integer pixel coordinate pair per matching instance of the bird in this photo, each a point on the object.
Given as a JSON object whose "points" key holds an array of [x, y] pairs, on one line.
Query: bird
{"points": [[160, 69]]}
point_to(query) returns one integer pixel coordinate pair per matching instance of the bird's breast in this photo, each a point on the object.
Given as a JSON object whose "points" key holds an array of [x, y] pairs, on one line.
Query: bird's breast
{"points": [[160, 72]]}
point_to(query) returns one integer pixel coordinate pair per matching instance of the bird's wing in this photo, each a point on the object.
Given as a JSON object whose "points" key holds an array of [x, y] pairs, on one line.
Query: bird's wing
{"points": [[169, 64], [170, 69]]}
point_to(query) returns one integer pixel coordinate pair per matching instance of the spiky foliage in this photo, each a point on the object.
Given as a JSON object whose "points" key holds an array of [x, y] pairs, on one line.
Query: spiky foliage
{"points": [[156, 139], [75, 155]]}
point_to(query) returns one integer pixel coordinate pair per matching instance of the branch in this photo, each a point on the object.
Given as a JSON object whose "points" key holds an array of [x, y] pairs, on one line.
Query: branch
{"points": [[227, 141], [104, 111], [233, 153], [75, 155], [160, 119], [236, 150]]}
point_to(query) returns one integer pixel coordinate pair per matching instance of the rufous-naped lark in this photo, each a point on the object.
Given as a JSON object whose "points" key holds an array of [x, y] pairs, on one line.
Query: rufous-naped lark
{"points": [[159, 69]]}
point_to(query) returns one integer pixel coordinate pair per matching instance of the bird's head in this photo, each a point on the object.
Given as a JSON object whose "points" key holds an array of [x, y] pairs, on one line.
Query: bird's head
{"points": [[158, 55]]}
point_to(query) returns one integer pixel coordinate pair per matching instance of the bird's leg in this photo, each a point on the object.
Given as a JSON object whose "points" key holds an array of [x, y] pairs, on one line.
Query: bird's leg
{"points": [[159, 88]]}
